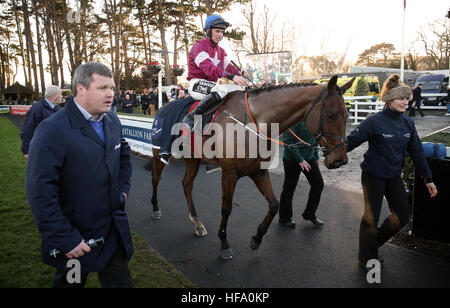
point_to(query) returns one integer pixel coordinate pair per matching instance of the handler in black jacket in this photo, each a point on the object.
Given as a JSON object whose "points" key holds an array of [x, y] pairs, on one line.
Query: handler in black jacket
{"points": [[417, 100], [392, 136]]}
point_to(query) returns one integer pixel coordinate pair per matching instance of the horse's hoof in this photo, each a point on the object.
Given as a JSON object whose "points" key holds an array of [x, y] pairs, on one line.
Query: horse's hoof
{"points": [[254, 244], [156, 215], [200, 231], [226, 254]]}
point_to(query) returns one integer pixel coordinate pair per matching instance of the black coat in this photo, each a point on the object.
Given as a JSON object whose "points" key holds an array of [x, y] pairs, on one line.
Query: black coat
{"points": [[417, 96], [126, 106], [392, 136], [35, 115], [145, 101], [74, 185]]}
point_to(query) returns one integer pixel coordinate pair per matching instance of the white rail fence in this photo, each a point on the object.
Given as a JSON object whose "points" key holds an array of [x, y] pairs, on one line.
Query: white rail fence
{"points": [[363, 106]]}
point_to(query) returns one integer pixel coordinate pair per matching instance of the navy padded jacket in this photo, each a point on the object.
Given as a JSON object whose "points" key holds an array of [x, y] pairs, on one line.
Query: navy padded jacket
{"points": [[392, 136]]}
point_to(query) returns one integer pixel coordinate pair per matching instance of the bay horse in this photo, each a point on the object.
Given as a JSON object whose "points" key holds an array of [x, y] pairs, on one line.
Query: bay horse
{"points": [[320, 106]]}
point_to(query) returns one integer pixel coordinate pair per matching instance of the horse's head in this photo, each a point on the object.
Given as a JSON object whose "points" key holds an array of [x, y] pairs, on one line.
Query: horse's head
{"points": [[327, 119]]}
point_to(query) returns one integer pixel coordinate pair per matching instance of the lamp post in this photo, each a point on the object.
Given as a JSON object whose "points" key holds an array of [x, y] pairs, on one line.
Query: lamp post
{"points": [[447, 30], [448, 58], [160, 53], [402, 61]]}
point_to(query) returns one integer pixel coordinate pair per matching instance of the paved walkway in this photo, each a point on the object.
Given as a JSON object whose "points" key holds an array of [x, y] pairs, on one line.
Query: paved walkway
{"points": [[303, 257]]}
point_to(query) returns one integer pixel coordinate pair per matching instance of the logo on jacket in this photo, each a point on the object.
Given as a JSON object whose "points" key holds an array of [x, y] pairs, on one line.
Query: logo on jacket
{"points": [[117, 147], [387, 135]]}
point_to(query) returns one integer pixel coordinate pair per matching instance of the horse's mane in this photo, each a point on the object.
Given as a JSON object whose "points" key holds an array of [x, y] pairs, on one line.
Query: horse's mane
{"points": [[255, 91]]}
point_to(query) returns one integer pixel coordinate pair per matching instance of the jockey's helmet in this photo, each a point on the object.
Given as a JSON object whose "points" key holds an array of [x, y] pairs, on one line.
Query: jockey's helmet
{"points": [[215, 21]]}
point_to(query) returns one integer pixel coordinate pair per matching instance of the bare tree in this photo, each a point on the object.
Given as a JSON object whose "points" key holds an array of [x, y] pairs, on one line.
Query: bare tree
{"points": [[9, 49], [30, 45], [260, 25], [15, 8], [435, 40], [36, 9]]}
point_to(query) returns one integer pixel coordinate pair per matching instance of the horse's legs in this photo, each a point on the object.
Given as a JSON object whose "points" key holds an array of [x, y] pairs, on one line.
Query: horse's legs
{"points": [[157, 169], [262, 181], [192, 166], [229, 180]]}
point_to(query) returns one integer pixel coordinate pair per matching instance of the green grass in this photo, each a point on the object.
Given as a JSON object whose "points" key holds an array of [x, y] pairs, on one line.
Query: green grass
{"points": [[20, 242], [442, 137], [137, 112]]}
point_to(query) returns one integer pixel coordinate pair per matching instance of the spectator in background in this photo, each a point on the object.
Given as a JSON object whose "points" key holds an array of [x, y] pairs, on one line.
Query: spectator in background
{"points": [[181, 94], [152, 99], [155, 99], [46, 107], [165, 99], [145, 101], [122, 95], [448, 98], [410, 109], [174, 94], [126, 104], [417, 99], [115, 103]]}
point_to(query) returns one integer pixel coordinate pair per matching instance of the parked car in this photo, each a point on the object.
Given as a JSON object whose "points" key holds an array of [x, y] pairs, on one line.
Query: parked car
{"points": [[433, 84]]}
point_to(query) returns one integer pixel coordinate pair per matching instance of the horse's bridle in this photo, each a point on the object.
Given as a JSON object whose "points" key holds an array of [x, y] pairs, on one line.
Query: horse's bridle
{"points": [[321, 134]]}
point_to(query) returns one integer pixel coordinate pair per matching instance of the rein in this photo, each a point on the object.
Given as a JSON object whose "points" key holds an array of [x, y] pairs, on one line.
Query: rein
{"points": [[264, 136]]}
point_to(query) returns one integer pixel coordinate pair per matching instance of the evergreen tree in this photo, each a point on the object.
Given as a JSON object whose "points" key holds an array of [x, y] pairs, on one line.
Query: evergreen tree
{"points": [[362, 87]]}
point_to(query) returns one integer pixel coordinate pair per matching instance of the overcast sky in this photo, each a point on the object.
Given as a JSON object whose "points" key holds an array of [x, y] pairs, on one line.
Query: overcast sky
{"points": [[358, 24], [361, 23]]}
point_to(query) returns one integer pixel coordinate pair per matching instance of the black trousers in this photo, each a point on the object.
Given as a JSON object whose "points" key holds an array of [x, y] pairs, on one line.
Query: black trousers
{"points": [[418, 107], [371, 237], [292, 172], [115, 275], [412, 110]]}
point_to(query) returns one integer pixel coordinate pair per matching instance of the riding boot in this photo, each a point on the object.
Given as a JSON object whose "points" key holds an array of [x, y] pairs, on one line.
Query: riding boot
{"points": [[208, 103]]}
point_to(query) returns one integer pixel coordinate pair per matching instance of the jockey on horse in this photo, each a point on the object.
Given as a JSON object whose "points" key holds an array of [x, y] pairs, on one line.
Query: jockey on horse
{"points": [[207, 63]]}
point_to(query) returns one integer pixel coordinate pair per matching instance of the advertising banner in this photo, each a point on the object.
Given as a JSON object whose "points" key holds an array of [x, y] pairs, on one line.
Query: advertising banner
{"points": [[5, 109], [138, 133], [19, 109], [273, 68]]}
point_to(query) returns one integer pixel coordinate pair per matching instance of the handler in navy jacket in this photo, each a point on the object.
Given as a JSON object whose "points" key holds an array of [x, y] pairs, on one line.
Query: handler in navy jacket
{"points": [[392, 136], [78, 178], [46, 107]]}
